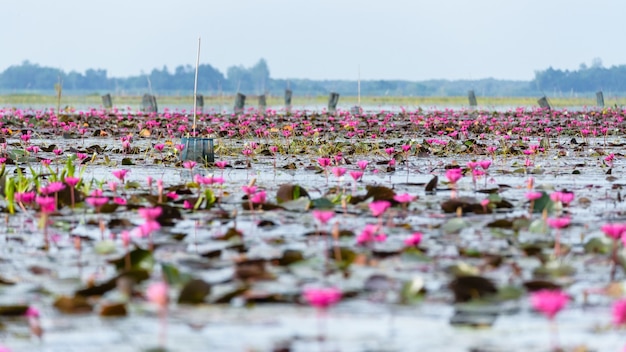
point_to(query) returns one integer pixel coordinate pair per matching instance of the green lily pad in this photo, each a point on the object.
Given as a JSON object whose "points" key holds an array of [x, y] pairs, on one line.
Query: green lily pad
{"points": [[454, 225]]}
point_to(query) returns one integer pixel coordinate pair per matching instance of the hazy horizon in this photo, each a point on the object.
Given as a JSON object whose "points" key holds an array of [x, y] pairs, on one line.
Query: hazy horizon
{"points": [[319, 40]]}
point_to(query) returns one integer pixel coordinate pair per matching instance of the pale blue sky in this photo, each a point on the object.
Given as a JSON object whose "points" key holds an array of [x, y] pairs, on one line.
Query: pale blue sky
{"points": [[318, 39]]}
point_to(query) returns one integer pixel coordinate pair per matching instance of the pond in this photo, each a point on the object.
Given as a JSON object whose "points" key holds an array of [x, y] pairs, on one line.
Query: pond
{"points": [[239, 245]]}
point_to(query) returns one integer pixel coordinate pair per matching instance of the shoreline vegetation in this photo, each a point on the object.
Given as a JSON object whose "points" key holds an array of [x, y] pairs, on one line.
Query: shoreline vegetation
{"points": [[273, 101]]}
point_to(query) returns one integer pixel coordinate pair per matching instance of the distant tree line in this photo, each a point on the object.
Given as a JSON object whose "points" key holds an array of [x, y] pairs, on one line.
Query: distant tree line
{"points": [[254, 80], [586, 79]]}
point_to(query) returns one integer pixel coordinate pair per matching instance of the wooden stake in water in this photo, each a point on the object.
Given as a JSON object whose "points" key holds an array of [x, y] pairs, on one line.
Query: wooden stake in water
{"points": [[195, 90]]}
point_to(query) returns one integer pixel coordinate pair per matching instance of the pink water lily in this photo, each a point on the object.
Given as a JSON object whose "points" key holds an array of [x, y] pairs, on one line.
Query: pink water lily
{"points": [[549, 302], [454, 175], [414, 240], [158, 293], [362, 164], [150, 213], [379, 207], [619, 312], [323, 216], [614, 230], [120, 174], [322, 297], [404, 198]]}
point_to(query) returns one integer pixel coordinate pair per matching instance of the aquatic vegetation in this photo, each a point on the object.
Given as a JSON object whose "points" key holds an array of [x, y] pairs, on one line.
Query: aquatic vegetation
{"points": [[117, 211]]}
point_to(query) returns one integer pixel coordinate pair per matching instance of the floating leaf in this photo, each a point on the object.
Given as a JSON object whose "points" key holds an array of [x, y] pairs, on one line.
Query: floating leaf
{"points": [[380, 193], [322, 203], [13, 310], [537, 285], [431, 186], [194, 292], [113, 310], [454, 225], [543, 203], [290, 192], [173, 276], [252, 269], [72, 305], [412, 291], [290, 256], [105, 247], [466, 288], [139, 259], [598, 245], [342, 256], [135, 276], [554, 269], [463, 269]]}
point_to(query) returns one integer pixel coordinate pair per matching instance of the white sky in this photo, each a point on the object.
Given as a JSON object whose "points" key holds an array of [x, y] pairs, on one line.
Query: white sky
{"points": [[317, 39]]}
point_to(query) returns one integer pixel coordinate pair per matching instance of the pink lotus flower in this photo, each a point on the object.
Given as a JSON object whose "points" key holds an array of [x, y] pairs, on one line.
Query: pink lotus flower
{"points": [[32, 312], [189, 164], [25, 197], [323, 216], [322, 297], [558, 223], [414, 240], [338, 171], [150, 213], [72, 181], [46, 204], [159, 147], [404, 198], [54, 187], [389, 151], [221, 164], [453, 175], [406, 148], [485, 164], [472, 165], [379, 207], [57, 152], [148, 227], [249, 190], [120, 174], [119, 201], [356, 175], [533, 195], [615, 231], [563, 197], [549, 302], [259, 197], [370, 234], [96, 202], [362, 164], [619, 312], [324, 162], [157, 293]]}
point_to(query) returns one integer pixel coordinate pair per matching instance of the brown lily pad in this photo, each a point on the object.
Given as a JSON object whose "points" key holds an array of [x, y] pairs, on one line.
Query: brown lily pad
{"points": [[113, 310], [13, 310], [194, 292], [72, 305], [252, 269], [288, 192], [467, 288]]}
